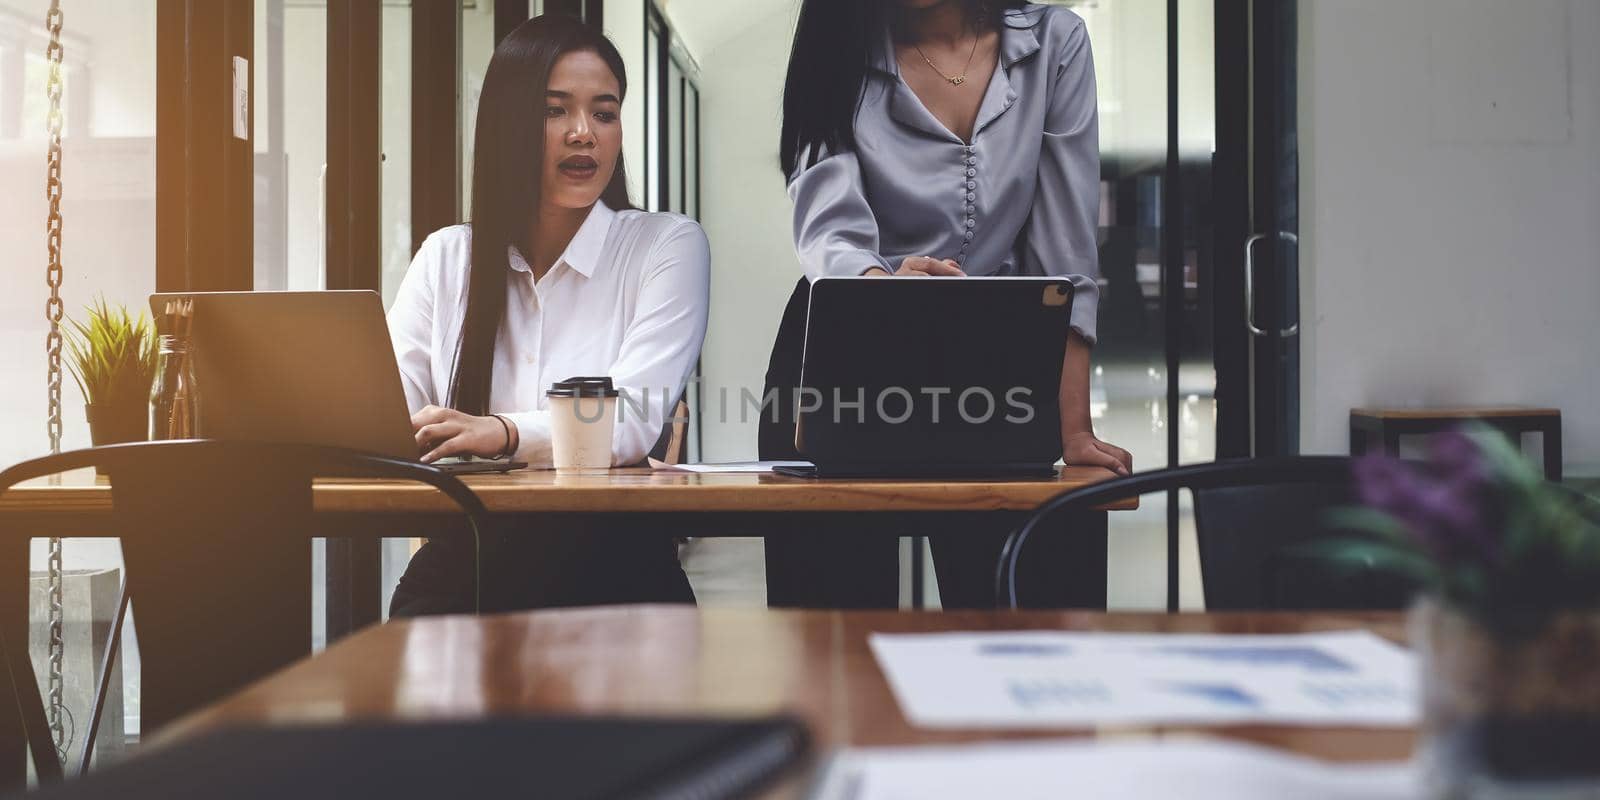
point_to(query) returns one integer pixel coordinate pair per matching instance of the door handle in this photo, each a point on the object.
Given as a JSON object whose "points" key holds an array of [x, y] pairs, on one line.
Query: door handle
{"points": [[1250, 280]]}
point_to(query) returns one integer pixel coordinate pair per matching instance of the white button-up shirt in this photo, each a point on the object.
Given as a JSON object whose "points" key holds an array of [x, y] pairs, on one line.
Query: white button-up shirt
{"points": [[628, 298]]}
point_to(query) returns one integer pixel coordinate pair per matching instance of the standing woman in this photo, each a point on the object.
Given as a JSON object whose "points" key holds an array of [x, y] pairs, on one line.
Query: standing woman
{"points": [[556, 276], [934, 138]]}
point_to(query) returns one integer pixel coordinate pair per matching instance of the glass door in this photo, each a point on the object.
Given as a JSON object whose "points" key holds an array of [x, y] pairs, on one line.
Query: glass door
{"points": [[1257, 201], [1271, 257], [1153, 384], [1197, 357]]}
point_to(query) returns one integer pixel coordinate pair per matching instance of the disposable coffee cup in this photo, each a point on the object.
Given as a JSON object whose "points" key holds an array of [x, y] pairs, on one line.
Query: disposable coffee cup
{"points": [[583, 412]]}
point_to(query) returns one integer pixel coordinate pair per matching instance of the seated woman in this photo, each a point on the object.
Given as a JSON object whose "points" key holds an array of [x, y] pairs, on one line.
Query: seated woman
{"points": [[555, 276]]}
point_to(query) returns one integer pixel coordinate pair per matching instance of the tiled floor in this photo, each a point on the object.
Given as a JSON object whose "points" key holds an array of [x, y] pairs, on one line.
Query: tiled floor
{"points": [[730, 572], [726, 572]]}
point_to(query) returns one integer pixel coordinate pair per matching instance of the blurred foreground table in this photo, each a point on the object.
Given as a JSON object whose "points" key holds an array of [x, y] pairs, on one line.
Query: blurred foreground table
{"points": [[656, 660]]}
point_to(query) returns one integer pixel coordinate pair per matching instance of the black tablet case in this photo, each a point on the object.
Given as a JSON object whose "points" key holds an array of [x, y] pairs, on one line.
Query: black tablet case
{"points": [[541, 757]]}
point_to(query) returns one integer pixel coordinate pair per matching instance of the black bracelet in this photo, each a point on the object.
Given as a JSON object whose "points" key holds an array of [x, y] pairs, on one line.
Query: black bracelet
{"points": [[505, 452]]}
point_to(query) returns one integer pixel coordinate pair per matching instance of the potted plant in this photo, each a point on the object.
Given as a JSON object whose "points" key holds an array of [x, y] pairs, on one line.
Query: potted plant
{"points": [[112, 356], [1507, 625]]}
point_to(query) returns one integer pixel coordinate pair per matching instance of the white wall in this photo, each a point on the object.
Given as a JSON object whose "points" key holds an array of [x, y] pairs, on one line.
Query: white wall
{"points": [[1450, 197]]}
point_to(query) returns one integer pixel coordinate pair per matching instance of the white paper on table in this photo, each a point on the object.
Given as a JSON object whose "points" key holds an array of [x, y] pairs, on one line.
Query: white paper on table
{"points": [[730, 467], [1189, 769], [1042, 679]]}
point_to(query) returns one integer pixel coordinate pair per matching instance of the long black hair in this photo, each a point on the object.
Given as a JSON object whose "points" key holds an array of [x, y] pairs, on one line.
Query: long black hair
{"points": [[507, 167], [834, 43]]}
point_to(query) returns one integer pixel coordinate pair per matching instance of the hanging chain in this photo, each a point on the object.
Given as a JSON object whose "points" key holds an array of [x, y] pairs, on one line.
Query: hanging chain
{"points": [[52, 313]]}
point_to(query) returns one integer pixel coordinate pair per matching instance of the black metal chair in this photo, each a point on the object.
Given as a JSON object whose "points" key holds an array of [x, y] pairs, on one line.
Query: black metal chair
{"points": [[1249, 515], [216, 542]]}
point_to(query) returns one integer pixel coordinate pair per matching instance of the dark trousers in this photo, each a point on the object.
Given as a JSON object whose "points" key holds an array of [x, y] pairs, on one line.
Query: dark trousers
{"points": [[859, 567], [576, 566]]}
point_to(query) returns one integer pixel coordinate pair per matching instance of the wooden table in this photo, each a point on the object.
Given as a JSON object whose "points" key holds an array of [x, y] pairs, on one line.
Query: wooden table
{"points": [[738, 662], [356, 515], [1387, 425], [631, 490]]}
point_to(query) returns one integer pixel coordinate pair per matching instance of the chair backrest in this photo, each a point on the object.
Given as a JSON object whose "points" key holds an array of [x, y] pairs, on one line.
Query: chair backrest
{"points": [[216, 543], [1247, 537], [677, 442], [1249, 514], [672, 445]]}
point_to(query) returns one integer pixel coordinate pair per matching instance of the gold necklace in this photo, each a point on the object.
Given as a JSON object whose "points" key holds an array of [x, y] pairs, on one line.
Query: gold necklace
{"points": [[953, 80]]}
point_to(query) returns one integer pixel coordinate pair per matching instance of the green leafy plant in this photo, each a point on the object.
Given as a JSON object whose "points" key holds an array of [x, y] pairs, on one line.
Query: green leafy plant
{"points": [[112, 355], [1476, 526]]}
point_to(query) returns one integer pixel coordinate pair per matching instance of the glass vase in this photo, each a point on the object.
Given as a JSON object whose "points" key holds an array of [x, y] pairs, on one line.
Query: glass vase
{"points": [[175, 406], [1511, 706]]}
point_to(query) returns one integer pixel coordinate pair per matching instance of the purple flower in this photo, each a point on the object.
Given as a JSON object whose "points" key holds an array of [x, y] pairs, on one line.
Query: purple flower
{"points": [[1450, 505], [1454, 454]]}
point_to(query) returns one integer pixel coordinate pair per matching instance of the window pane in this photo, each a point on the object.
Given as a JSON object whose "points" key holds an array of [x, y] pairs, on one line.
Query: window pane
{"points": [[108, 250], [291, 133], [395, 204], [1197, 140], [477, 45], [394, 213], [691, 162], [652, 121], [674, 142]]}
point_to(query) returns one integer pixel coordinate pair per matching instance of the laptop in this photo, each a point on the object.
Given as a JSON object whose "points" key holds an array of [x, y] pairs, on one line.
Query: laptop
{"points": [[303, 367], [932, 377]]}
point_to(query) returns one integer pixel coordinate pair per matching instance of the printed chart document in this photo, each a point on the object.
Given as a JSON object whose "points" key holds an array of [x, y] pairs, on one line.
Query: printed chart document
{"points": [[1043, 679], [730, 467], [1193, 770]]}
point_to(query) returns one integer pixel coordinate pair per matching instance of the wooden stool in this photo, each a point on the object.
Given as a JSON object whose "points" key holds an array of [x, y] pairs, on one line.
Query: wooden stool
{"points": [[1389, 424]]}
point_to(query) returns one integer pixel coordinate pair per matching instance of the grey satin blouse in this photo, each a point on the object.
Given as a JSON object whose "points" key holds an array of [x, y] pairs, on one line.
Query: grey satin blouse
{"points": [[1022, 199]]}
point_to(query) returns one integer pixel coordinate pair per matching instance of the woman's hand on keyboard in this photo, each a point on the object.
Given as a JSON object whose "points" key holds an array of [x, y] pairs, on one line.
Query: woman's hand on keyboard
{"points": [[445, 432]]}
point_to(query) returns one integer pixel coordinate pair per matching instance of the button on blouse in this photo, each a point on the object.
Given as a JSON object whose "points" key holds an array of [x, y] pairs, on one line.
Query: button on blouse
{"points": [[1027, 199]]}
